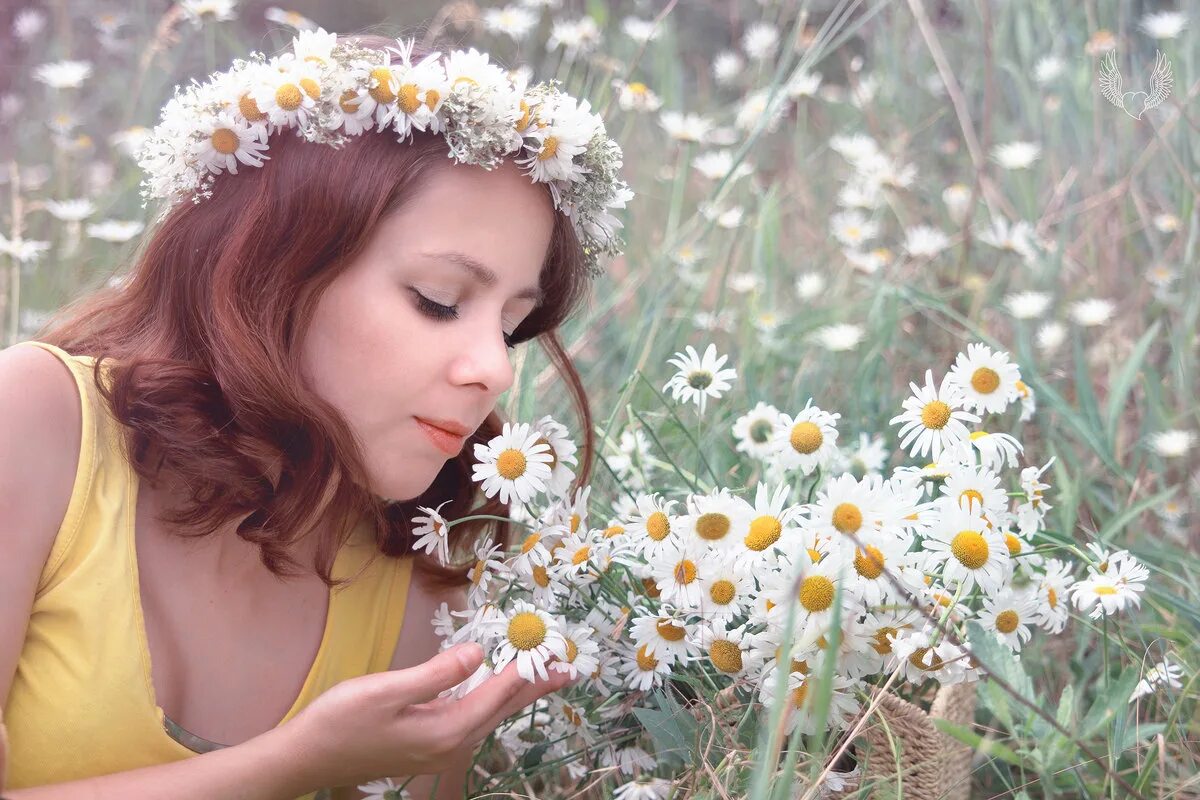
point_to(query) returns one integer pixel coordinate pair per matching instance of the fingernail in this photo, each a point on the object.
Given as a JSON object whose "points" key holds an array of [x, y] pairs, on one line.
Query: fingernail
{"points": [[469, 655]]}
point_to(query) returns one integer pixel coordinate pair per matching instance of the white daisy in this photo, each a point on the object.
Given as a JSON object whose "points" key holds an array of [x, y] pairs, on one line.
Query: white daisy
{"points": [[815, 581], [562, 452], [806, 441], [531, 636], [726, 66], [1052, 591], [226, 141], [799, 693], [699, 378], [996, 450], [1027, 305], [666, 635], [676, 572], [924, 241], [562, 131], [972, 553], [1172, 443], [725, 647], [644, 670], [772, 521], [640, 30], [1092, 312], [1016, 155], [1112, 590], [976, 489], [486, 566], [921, 660], [23, 250], [844, 508], [432, 533], [636, 96], [933, 421], [688, 127], [877, 570], [513, 463], [840, 337], [1051, 335], [115, 230], [717, 520], [1163, 24], [650, 528], [727, 586], [582, 651], [73, 210], [809, 285], [511, 20], [383, 789], [987, 378], [643, 788], [217, 10], [576, 37], [1164, 673], [754, 430], [1008, 615], [63, 74]]}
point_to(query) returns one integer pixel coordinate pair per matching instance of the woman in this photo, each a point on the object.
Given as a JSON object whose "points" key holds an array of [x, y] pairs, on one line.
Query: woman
{"points": [[209, 588]]}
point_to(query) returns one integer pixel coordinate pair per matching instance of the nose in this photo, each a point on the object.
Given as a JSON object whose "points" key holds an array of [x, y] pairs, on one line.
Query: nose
{"points": [[483, 360]]}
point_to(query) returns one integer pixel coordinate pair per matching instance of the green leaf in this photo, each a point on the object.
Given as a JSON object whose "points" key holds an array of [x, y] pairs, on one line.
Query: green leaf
{"points": [[1110, 702], [1114, 525], [672, 729], [1120, 388], [1138, 733], [988, 747]]}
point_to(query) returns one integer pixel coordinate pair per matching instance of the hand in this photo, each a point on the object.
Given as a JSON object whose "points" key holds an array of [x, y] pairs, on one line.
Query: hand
{"points": [[394, 723]]}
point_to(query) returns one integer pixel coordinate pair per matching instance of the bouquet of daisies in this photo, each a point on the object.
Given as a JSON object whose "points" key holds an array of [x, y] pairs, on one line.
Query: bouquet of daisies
{"points": [[825, 571]]}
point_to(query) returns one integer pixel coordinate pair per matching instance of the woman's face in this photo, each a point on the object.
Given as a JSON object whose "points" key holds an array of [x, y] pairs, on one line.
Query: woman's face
{"points": [[384, 357]]}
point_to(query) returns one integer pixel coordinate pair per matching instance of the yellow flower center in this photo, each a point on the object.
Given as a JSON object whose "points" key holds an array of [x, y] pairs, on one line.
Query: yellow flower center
{"points": [[672, 633], [970, 548], [816, 593], [869, 563], [288, 97], [549, 148], [1052, 597], [477, 572], [511, 464], [658, 526], [764, 532], [1022, 389], [349, 102], [613, 530], [882, 644], [847, 518], [250, 109], [799, 694], [651, 587], [531, 541], [645, 661], [523, 122], [712, 526], [572, 715], [985, 380], [1007, 621], [382, 91], [977, 435], [722, 592], [935, 415], [406, 98], [968, 498], [311, 88], [917, 659], [1105, 590], [685, 572], [431, 98], [797, 664], [526, 630], [541, 577], [1013, 544], [637, 87], [224, 141], [572, 651], [581, 555], [725, 656], [575, 520], [806, 437]]}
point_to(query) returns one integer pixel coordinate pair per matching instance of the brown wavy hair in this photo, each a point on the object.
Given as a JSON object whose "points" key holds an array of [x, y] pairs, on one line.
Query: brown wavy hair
{"points": [[201, 340]]}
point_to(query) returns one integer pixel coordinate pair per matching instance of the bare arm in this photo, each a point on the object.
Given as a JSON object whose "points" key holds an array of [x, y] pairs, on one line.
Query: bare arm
{"points": [[264, 768]]}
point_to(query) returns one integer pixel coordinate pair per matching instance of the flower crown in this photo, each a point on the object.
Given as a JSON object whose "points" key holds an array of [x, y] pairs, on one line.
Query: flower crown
{"points": [[330, 91]]}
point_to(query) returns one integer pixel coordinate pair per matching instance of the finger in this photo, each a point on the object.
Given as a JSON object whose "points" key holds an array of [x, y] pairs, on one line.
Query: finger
{"points": [[529, 693], [447, 669]]}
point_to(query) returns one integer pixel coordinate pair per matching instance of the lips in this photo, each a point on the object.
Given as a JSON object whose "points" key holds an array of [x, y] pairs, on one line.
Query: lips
{"points": [[448, 425], [443, 439]]}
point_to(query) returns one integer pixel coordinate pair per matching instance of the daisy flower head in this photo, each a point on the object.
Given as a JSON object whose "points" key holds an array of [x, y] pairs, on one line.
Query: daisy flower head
{"points": [[383, 789], [698, 378], [286, 95], [987, 379], [1172, 443], [725, 647], [531, 636], [971, 552], [563, 129], [514, 463], [933, 418], [1113, 589], [726, 586], [1053, 586], [876, 569], [974, 488], [770, 518], [432, 533], [1164, 673], [582, 652], [717, 520], [1016, 155], [644, 787], [811, 585], [844, 508], [996, 450], [754, 430], [224, 141], [488, 564], [800, 693], [63, 74], [922, 660], [676, 573], [666, 635], [645, 670], [806, 441], [1008, 616], [650, 529], [562, 454]]}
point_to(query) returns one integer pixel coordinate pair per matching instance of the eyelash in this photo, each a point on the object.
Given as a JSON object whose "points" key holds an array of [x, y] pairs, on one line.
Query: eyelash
{"points": [[439, 311]]}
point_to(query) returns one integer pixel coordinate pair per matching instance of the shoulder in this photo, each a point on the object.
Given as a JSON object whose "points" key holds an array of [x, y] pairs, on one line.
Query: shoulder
{"points": [[417, 642], [40, 434]]}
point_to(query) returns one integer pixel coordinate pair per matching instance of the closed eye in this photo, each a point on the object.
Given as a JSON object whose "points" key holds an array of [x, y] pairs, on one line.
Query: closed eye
{"points": [[441, 312]]}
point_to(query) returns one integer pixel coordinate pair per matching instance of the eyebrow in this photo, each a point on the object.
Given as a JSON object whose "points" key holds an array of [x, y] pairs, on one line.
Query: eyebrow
{"points": [[483, 274]]}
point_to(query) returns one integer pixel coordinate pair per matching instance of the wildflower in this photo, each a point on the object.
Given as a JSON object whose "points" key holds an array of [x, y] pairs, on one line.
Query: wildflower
{"points": [[726, 66], [1051, 335], [799, 692], [1163, 24], [115, 230], [219, 10], [1052, 589], [933, 421], [1008, 616], [725, 647], [1092, 312], [924, 241], [432, 533], [514, 463], [1027, 305], [636, 96], [1164, 673], [698, 378], [987, 379], [576, 37], [1112, 589], [806, 441], [531, 636], [383, 789], [685, 127], [1016, 155], [511, 20], [971, 552], [1172, 443], [760, 40], [640, 30], [63, 74]]}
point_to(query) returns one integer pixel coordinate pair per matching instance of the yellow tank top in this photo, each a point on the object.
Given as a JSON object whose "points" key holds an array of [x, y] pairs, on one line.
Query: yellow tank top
{"points": [[82, 703]]}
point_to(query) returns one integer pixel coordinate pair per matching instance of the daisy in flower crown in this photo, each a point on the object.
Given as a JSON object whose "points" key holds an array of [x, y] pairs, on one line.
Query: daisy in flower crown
{"points": [[354, 235]]}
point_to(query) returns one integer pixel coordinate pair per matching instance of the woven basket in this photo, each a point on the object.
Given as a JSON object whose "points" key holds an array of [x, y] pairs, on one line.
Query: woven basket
{"points": [[933, 765]]}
